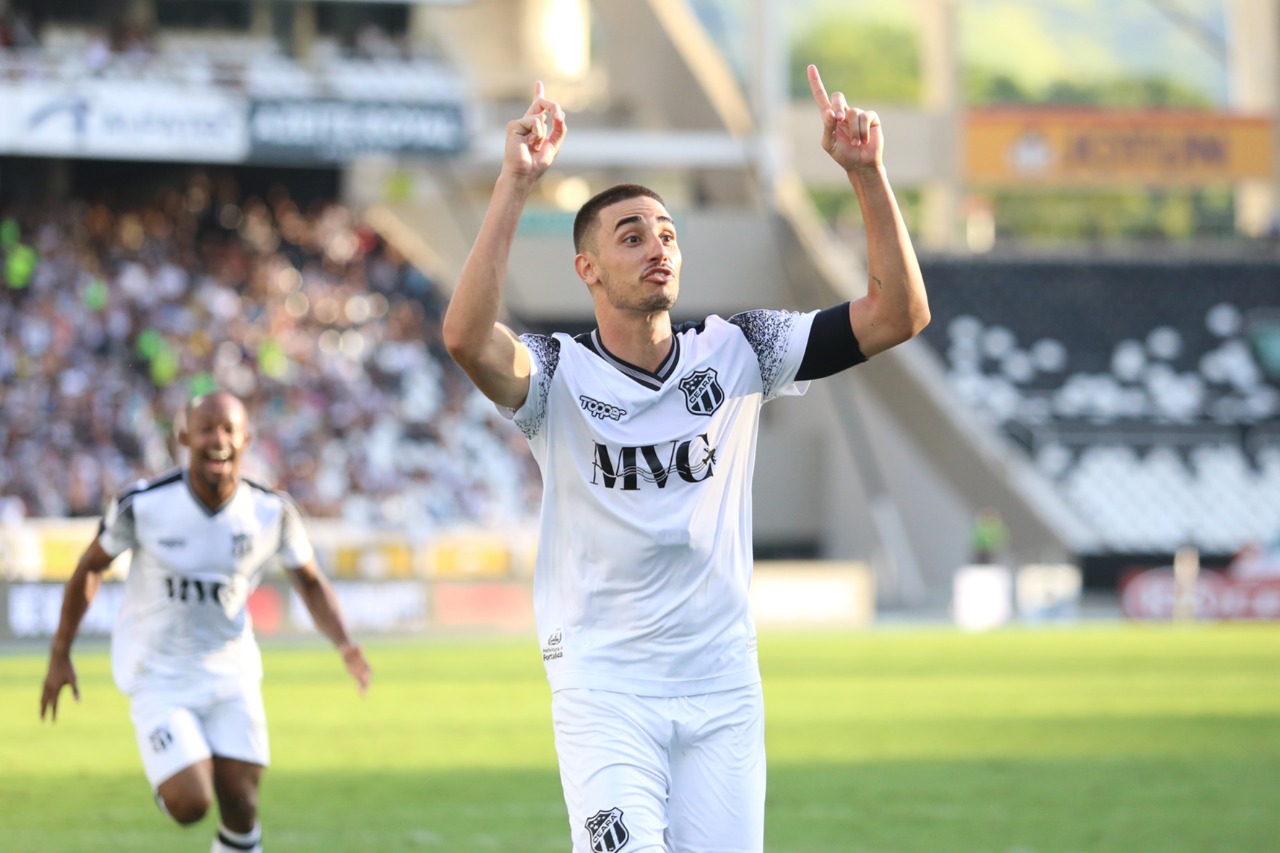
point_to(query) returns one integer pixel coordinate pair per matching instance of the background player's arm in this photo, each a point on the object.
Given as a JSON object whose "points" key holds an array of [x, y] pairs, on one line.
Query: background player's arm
{"points": [[490, 353], [81, 587], [322, 603], [895, 308]]}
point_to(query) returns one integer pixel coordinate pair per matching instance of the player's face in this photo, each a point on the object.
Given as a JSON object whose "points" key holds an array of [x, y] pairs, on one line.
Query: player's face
{"points": [[216, 435], [637, 258]]}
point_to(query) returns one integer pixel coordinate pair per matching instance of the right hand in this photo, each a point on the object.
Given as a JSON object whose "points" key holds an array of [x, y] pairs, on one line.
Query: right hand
{"points": [[61, 673], [531, 147], [357, 667]]}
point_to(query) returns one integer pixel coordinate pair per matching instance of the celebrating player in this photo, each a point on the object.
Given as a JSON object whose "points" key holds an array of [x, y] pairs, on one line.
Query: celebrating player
{"points": [[182, 648], [645, 434]]}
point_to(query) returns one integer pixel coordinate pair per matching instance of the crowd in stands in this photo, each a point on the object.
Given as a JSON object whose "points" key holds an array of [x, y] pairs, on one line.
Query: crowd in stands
{"points": [[113, 314], [38, 44]]}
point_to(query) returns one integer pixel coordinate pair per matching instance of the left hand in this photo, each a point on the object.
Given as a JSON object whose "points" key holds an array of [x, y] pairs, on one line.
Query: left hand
{"points": [[850, 135], [357, 667]]}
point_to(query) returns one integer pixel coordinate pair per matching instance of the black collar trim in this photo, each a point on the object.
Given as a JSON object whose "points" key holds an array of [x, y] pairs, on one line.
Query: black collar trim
{"points": [[649, 379], [186, 478]]}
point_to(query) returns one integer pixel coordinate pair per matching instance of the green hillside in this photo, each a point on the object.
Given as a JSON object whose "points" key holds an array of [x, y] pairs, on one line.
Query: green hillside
{"points": [[1037, 43]]}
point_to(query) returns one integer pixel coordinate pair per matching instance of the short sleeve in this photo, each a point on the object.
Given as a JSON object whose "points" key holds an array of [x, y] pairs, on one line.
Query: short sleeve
{"points": [[778, 339], [544, 353], [295, 545], [117, 533]]}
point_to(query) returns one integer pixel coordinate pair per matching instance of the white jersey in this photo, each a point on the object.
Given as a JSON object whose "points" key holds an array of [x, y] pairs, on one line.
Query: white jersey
{"points": [[645, 554], [185, 603]]}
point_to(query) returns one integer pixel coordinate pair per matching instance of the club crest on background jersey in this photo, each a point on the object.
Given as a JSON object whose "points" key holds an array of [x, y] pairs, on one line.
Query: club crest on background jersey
{"points": [[702, 392], [161, 739], [607, 831]]}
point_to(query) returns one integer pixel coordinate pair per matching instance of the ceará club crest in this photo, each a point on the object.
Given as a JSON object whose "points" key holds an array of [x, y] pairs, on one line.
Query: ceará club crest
{"points": [[702, 392]]}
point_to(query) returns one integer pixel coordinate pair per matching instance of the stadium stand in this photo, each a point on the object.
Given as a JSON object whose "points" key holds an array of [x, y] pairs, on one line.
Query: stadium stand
{"points": [[115, 306], [244, 64], [114, 311], [1138, 387], [371, 61]]}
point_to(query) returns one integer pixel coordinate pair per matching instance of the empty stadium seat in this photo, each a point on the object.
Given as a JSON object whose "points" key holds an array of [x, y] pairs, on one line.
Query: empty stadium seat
{"points": [[1131, 386]]}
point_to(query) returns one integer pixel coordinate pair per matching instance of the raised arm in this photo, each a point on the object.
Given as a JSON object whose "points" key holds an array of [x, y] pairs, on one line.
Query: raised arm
{"points": [[81, 587], [488, 351], [322, 603], [895, 308]]}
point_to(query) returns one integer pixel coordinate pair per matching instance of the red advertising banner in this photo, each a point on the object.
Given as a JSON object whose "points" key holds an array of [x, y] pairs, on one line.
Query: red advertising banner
{"points": [[1154, 594]]}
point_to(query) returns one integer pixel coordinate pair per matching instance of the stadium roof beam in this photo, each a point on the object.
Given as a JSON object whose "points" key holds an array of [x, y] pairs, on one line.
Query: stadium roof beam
{"points": [[595, 149], [665, 41]]}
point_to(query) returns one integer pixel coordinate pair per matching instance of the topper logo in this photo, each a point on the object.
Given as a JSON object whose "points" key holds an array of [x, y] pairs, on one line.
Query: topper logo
{"points": [[601, 410]]}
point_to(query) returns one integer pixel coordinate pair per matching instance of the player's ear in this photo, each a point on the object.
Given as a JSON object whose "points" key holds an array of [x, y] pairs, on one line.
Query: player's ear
{"points": [[585, 266]]}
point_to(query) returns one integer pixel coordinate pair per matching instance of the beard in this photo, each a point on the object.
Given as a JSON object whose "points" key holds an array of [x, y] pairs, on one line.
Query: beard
{"points": [[644, 300]]}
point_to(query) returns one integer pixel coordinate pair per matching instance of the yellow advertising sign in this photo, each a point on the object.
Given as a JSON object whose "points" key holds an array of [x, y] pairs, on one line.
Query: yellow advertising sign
{"points": [[1095, 147]]}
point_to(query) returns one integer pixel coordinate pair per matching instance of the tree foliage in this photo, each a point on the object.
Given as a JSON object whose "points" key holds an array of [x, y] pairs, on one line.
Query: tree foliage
{"points": [[879, 62], [985, 87], [870, 61]]}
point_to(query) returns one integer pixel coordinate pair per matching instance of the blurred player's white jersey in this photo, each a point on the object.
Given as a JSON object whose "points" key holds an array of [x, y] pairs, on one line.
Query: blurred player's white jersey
{"points": [[644, 558], [185, 605]]}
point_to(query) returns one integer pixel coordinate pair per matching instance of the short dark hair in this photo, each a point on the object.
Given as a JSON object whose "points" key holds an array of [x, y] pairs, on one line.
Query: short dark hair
{"points": [[585, 221]]}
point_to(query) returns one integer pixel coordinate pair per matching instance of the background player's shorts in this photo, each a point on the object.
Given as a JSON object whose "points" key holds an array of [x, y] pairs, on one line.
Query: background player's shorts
{"points": [[620, 755], [180, 724]]}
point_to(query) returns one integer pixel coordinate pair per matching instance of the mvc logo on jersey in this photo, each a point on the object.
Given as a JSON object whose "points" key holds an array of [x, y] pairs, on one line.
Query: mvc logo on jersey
{"points": [[241, 545], [692, 461], [702, 392], [600, 410], [607, 831], [190, 589]]}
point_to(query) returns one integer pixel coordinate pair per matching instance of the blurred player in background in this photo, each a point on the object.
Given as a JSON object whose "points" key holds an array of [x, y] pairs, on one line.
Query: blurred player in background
{"points": [[646, 434], [183, 648]]}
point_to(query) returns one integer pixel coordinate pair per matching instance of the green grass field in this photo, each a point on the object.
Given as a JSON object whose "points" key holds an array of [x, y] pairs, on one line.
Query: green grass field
{"points": [[1107, 738]]}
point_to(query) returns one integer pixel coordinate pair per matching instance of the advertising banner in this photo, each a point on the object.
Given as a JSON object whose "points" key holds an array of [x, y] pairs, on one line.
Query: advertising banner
{"points": [[124, 120], [1213, 595], [813, 594], [784, 594], [31, 610], [982, 597], [330, 131], [1070, 147]]}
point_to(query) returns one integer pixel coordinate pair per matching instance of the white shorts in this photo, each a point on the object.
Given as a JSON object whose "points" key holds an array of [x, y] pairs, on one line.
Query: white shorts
{"points": [[180, 725], [643, 774]]}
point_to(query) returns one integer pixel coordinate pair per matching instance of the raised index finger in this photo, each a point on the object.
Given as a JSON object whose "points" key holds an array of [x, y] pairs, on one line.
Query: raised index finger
{"points": [[819, 91], [541, 103]]}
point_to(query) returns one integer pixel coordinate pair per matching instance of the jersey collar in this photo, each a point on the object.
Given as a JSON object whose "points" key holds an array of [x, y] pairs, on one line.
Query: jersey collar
{"points": [[186, 479], [649, 379]]}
